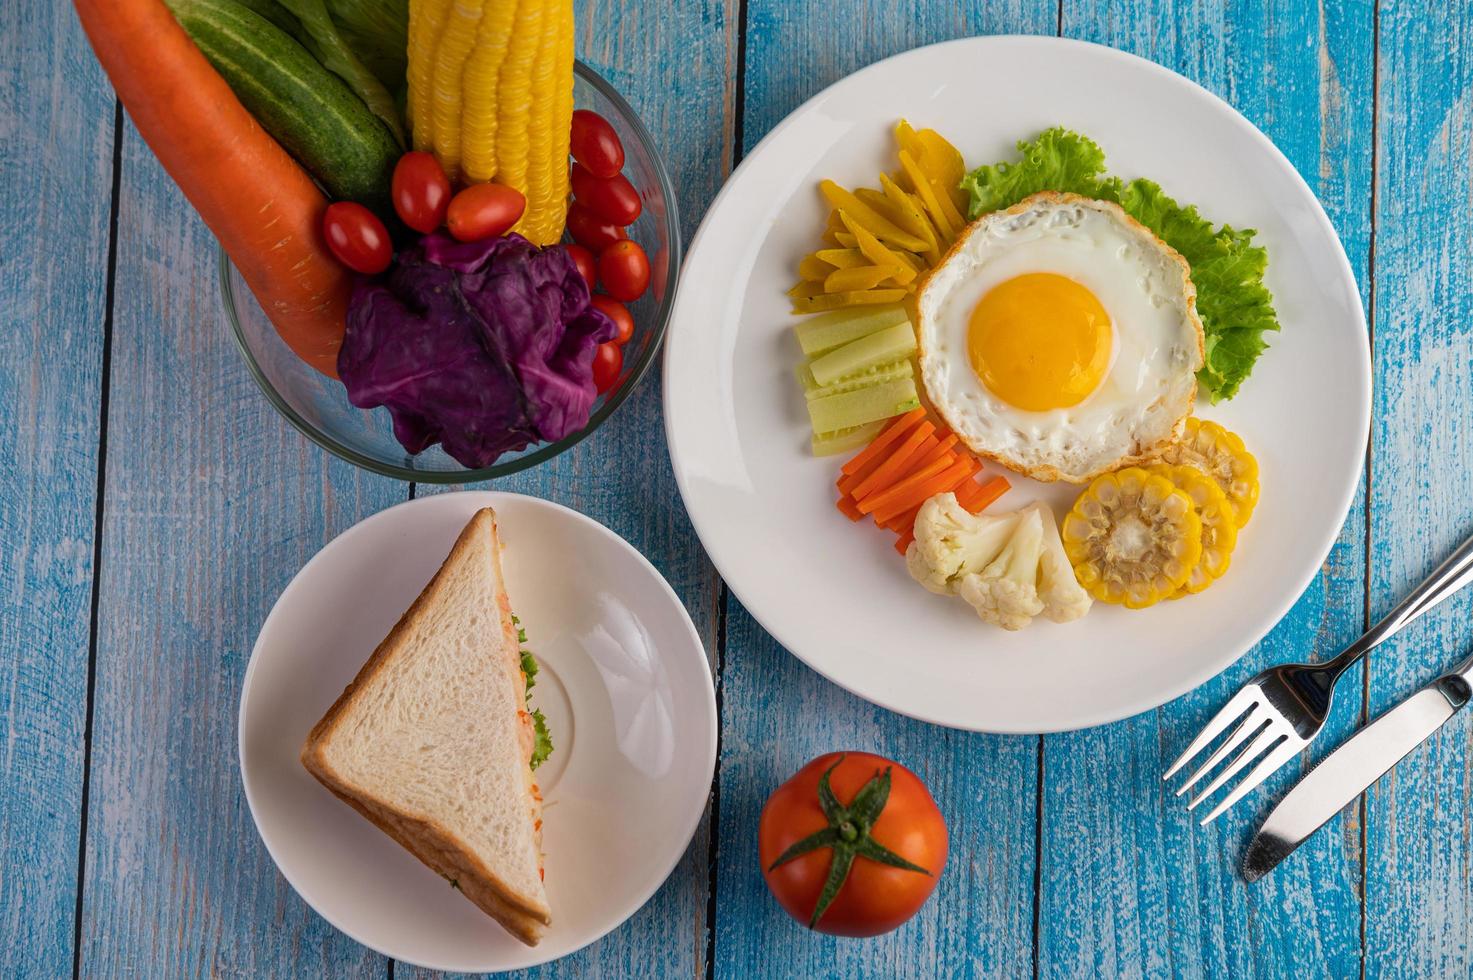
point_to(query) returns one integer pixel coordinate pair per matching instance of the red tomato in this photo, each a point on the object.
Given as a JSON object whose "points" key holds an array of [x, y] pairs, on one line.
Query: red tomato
{"points": [[875, 897], [583, 259], [619, 313], [608, 361], [611, 198], [624, 270], [595, 144], [357, 237], [591, 231], [421, 191], [484, 211]]}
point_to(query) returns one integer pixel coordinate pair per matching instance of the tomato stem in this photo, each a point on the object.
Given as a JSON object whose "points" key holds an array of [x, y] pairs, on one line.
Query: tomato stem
{"points": [[847, 836]]}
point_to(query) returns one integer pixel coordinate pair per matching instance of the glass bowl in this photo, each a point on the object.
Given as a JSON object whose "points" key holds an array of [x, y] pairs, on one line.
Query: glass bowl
{"points": [[319, 407]]}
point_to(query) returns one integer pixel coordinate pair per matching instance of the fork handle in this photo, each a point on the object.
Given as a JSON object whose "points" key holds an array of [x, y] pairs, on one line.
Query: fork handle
{"points": [[1449, 577]]}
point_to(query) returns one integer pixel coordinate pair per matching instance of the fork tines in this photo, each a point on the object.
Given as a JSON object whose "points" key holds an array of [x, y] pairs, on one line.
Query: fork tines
{"points": [[1256, 730]]}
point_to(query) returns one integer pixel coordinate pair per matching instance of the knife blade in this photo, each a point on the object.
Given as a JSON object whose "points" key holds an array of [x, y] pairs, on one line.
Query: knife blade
{"points": [[1353, 767]]}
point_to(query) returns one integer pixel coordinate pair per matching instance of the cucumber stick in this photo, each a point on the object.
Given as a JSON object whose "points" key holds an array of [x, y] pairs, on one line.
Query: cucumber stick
{"points": [[881, 347], [863, 379], [847, 440], [305, 107], [852, 408], [828, 330]]}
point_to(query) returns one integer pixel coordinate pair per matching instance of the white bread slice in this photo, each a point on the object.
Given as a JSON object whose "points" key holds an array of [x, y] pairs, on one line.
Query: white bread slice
{"points": [[431, 740]]}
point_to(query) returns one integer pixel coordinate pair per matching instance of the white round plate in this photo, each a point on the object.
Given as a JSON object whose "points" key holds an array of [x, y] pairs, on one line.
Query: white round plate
{"points": [[837, 595], [624, 683]]}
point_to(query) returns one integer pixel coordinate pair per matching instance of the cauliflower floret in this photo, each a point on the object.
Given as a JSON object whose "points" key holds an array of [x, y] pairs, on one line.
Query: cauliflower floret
{"points": [[1008, 567], [1005, 593], [950, 542], [1064, 599]]}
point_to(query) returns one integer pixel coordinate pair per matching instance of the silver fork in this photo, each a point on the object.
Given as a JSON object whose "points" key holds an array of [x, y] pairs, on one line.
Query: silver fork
{"points": [[1280, 711]]}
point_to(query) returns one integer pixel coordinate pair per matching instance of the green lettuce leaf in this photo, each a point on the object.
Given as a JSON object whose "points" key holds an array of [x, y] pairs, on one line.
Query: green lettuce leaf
{"points": [[542, 746], [1227, 268], [542, 740]]}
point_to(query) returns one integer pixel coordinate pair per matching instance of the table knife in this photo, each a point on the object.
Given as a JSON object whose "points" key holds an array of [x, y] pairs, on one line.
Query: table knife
{"points": [[1351, 769]]}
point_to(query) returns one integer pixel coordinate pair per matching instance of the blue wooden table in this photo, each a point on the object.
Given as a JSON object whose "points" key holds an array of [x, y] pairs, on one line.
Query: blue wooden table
{"points": [[153, 505]]}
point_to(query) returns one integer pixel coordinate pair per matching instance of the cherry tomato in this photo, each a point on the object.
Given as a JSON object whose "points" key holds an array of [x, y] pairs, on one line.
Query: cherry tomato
{"points": [[595, 144], [624, 270], [421, 191], [875, 897], [619, 313], [357, 237], [611, 198], [583, 259], [608, 361], [484, 211], [591, 231]]}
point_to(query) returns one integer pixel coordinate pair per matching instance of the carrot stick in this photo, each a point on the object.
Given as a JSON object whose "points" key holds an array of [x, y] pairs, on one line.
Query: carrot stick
{"points": [[892, 434], [847, 484], [262, 207], [920, 491], [902, 543], [918, 442], [985, 494], [902, 521], [942, 448], [900, 489], [847, 508]]}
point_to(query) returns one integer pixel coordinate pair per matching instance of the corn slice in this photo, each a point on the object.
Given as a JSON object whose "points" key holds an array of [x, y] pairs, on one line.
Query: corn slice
{"points": [[1133, 538]]}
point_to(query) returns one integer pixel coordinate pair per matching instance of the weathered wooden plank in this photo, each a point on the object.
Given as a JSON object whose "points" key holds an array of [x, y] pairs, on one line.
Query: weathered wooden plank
{"points": [[211, 504], [676, 64], [1130, 885], [56, 130], [777, 714], [1419, 904]]}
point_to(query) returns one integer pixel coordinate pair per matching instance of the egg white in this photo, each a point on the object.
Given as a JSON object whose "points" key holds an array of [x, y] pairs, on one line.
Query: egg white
{"points": [[1145, 287]]}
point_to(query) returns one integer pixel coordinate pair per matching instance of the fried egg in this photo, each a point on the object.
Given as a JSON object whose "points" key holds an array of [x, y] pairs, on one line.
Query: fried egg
{"points": [[1060, 338]]}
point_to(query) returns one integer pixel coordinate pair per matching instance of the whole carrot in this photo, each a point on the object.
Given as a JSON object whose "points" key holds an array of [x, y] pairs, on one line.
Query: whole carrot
{"points": [[262, 207]]}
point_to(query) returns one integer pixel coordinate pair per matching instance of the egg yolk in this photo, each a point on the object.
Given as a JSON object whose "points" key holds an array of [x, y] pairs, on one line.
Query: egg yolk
{"points": [[1040, 341]]}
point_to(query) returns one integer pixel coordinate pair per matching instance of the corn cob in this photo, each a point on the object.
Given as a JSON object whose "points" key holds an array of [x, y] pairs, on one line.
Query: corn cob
{"points": [[482, 89], [491, 93], [514, 96], [426, 21], [456, 41], [562, 125], [543, 220]]}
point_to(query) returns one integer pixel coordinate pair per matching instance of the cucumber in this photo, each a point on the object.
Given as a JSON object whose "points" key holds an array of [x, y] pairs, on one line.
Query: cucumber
{"points": [[846, 440], [880, 374], [880, 347], [828, 330], [305, 107], [851, 408]]}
